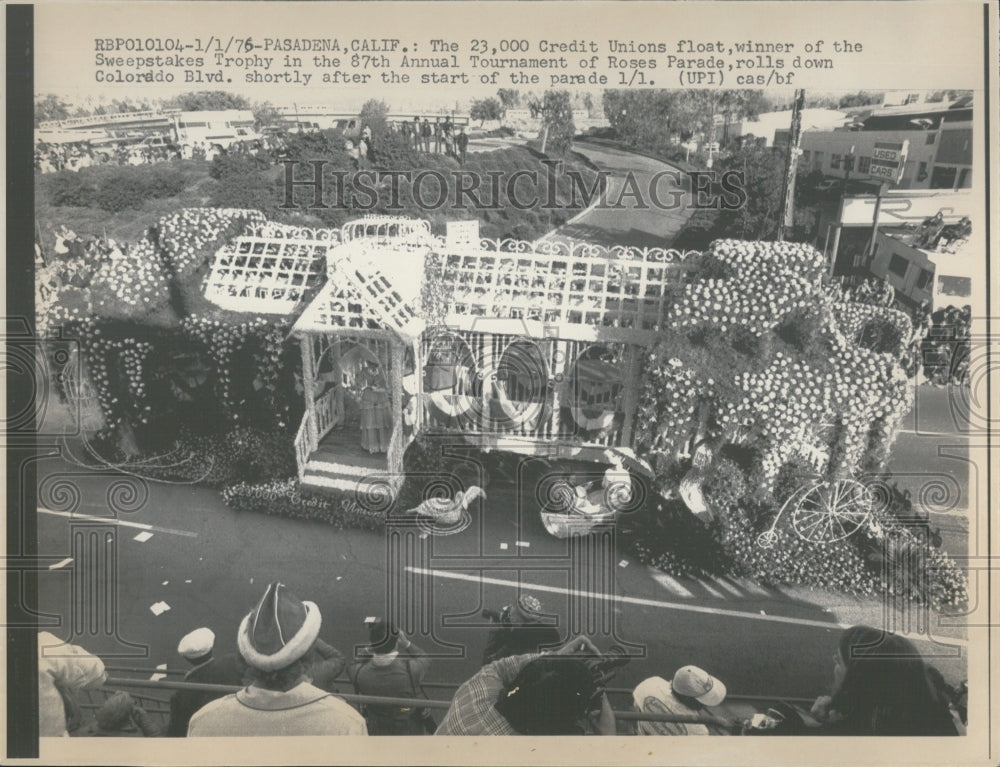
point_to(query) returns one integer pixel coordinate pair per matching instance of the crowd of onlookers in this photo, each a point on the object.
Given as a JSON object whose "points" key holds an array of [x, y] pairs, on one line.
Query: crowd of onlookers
{"points": [[50, 158], [531, 683], [420, 134]]}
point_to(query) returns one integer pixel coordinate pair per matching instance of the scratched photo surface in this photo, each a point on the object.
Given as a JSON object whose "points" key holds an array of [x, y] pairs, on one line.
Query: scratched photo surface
{"points": [[544, 370]]}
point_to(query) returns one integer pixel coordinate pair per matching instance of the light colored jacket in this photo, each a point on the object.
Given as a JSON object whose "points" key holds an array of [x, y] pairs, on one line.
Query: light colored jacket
{"points": [[303, 710], [67, 666]]}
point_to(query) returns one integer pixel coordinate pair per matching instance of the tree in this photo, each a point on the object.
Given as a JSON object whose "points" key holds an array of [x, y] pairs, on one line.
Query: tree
{"points": [[203, 101], [556, 111], [509, 98], [643, 119], [265, 113], [374, 114], [763, 174], [50, 107], [486, 109], [860, 99], [741, 105]]}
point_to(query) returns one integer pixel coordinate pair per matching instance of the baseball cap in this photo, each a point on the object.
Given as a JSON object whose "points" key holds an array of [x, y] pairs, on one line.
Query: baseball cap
{"points": [[697, 683]]}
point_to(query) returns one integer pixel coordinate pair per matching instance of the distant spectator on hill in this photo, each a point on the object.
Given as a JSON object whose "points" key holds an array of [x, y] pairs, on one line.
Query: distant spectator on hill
{"points": [[462, 144], [426, 132], [277, 639]]}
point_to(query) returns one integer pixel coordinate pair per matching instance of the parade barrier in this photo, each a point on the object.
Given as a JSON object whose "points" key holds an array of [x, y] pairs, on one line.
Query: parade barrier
{"points": [[153, 697]]}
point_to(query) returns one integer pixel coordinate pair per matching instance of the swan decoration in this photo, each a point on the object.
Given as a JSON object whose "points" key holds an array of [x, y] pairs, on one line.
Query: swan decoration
{"points": [[448, 511]]}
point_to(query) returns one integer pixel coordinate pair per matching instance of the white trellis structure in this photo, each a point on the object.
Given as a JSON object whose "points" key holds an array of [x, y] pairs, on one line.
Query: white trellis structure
{"points": [[551, 334], [266, 274]]}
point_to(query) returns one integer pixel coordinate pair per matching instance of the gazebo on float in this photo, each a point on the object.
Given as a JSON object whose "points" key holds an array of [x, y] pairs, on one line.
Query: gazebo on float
{"points": [[517, 346]]}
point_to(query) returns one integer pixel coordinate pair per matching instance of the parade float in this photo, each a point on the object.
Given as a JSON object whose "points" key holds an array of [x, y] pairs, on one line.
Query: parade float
{"points": [[671, 364]]}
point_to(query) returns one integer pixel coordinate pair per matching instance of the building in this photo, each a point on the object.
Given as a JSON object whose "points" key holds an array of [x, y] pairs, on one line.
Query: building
{"points": [[921, 263], [938, 137], [207, 126], [221, 127], [774, 127], [939, 272]]}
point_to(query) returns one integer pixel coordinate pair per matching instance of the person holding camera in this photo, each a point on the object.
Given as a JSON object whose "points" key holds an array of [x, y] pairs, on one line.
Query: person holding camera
{"points": [[392, 667], [535, 694]]}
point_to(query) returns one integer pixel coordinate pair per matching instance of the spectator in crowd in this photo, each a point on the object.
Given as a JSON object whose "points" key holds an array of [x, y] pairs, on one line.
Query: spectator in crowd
{"points": [[196, 648], [881, 687], [462, 144], [120, 716], [438, 137], [63, 670], [407, 132], [362, 154], [276, 639], [690, 693], [426, 132], [520, 630], [326, 663], [417, 128], [532, 695], [392, 667]]}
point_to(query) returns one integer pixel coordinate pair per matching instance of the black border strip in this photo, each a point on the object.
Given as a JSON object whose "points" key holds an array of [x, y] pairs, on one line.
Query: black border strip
{"points": [[22, 539], [987, 111]]}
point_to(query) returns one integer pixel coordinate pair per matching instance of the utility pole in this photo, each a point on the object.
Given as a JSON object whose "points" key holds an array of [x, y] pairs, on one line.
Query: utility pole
{"points": [[791, 162]]}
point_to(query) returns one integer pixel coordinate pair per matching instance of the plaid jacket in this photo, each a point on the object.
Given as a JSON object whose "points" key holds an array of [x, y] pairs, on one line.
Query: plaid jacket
{"points": [[472, 711]]}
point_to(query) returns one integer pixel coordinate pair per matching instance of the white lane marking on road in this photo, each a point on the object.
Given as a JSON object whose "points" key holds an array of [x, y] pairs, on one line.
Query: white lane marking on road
{"points": [[121, 522], [714, 592], [680, 606], [59, 565]]}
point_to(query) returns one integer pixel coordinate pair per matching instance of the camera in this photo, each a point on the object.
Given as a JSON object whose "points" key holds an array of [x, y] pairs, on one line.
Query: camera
{"points": [[604, 666]]}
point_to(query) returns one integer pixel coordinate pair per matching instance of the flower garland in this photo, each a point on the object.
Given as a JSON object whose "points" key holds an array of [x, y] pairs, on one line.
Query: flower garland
{"points": [[222, 340], [851, 317]]}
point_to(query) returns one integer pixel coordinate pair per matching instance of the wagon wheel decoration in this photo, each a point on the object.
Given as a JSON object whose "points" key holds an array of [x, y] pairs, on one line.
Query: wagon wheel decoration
{"points": [[824, 512]]}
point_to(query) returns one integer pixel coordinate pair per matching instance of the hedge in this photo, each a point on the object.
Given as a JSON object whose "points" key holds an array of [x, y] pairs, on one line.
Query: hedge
{"points": [[284, 498]]}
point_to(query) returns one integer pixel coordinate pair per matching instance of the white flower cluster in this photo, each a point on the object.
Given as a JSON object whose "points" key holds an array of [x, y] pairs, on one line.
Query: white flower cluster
{"points": [[672, 392], [867, 389], [770, 280], [136, 280], [186, 234]]}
